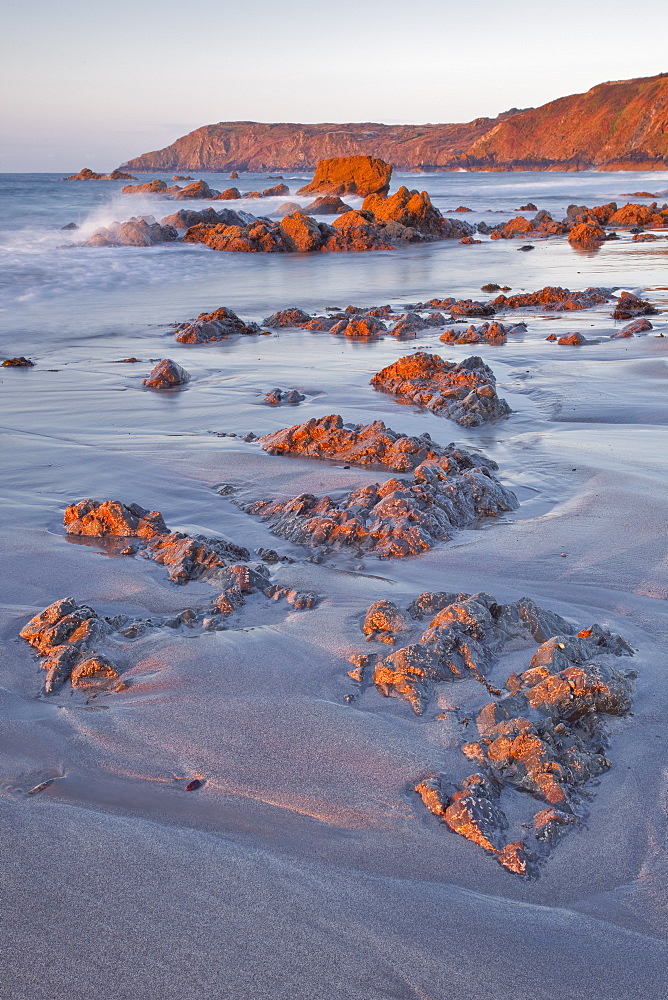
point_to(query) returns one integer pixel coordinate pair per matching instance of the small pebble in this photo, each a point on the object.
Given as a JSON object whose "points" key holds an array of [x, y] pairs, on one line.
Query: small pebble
{"points": [[192, 785]]}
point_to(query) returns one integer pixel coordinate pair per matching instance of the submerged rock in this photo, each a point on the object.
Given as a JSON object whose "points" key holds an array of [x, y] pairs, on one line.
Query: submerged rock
{"points": [[166, 375], [553, 299], [19, 362], [278, 396], [89, 175], [491, 333], [464, 392], [631, 329], [217, 325], [368, 444], [572, 340], [360, 175], [391, 520]]}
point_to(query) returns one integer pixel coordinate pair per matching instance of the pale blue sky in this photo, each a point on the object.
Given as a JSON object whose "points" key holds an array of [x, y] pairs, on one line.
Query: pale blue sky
{"points": [[95, 82]]}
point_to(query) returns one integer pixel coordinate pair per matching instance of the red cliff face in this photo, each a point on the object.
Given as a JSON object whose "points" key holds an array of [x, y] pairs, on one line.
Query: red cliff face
{"points": [[255, 146], [614, 126]]}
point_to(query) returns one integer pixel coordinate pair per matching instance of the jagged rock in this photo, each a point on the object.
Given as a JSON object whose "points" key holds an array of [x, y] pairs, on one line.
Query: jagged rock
{"points": [[630, 305], [229, 194], [136, 232], [64, 634], [586, 235], [186, 558], [111, 517], [347, 234], [187, 217], [278, 396], [151, 187], [543, 738], [415, 210], [200, 189], [383, 621], [463, 638], [95, 673], [368, 444], [303, 232], [217, 325], [89, 175], [470, 308], [327, 205], [366, 326], [631, 329], [293, 317], [166, 375], [464, 392], [639, 215], [553, 299], [391, 520], [360, 175], [20, 362], [492, 333], [276, 191], [233, 176]]}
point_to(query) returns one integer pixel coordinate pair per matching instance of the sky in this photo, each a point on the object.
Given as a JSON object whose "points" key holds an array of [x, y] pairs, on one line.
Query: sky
{"points": [[96, 82]]}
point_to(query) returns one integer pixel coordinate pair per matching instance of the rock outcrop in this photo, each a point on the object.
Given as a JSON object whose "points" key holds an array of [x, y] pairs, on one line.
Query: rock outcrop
{"points": [[278, 396], [360, 175], [464, 392], [327, 205], [486, 333], [369, 444], [211, 327], [166, 375], [136, 232], [186, 558], [542, 738], [89, 175], [414, 210], [390, 520]]}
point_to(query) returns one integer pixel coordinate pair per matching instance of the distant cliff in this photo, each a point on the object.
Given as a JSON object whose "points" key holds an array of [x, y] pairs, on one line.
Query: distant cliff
{"points": [[614, 126]]}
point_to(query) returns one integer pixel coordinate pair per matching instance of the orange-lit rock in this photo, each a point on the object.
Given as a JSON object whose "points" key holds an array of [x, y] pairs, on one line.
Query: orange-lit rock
{"points": [[586, 235], [89, 175], [639, 215], [393, 519], [414, 210], [383, 621], [229, 194], [464, 392], [111, 517], [368, 444], [95, 673], [360, 175], [303, 232], [166, 375], [629, 306], [214, 326], [572, 340]]}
